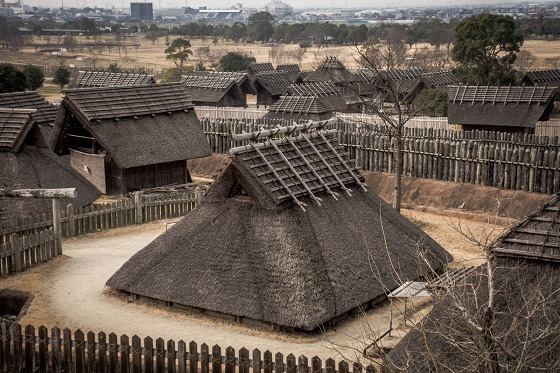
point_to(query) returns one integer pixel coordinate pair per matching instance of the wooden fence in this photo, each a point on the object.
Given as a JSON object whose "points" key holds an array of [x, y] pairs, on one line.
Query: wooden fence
{"points": [[213, 112], [37, 350], [504, 160], [548, 128], [26, 242]]}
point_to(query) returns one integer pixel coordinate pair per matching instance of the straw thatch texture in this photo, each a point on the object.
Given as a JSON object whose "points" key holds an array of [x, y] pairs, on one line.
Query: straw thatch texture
{"points": [[247, 255], [298, 105], [241, 78], [499, 105], [331, 70], [527, 307], [45, 114], [214, 90], [550, 78], [109, 79], [26, 162], [139, 125], [260, 67], [274, 83]]}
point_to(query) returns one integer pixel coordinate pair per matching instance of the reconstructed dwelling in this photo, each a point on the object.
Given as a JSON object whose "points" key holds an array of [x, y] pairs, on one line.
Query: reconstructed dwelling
{"points": [[288, 235], [241, 78], [293, 71], [499, 108], [44, 115], [129, 138], [270, 86], [109, 79], [27, 162], [549, 78], [526, 309], [260, 67], [299, 108], [214, 90], [331, 70], [330, 95]]}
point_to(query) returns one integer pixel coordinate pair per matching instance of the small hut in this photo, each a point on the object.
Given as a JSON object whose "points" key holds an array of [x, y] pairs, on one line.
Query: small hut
{"points": [[214, 90], [270, 86], [288, 235], [241, 78], [299, 108], [331, 70], [90, 79], [526, 324], [549, 78], [27, 162], [44, 115], [499, 108], [330, 95], [129, 138]]}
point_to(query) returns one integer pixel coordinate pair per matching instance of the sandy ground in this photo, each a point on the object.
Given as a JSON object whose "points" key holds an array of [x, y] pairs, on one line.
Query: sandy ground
{"points": [[69, 291]]}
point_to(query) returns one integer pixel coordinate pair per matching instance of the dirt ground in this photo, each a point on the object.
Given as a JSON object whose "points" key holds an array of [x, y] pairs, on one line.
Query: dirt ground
{"points": [[70, 291]]}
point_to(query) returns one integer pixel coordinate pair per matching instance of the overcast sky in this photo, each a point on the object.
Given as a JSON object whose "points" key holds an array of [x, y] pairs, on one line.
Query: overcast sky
{"points": [[215, 4]]}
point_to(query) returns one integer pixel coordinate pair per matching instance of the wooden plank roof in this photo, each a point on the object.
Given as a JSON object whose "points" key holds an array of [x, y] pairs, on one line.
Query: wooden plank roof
{"points": [[45, 113], [543, 76], [292, 168], [111, 79], [314, 89], [535, 237], [298, 105], [516, 95], [14, 126], [129, 101]]}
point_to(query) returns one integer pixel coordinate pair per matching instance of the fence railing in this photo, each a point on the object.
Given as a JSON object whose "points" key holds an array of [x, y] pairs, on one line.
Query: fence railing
{"points": [[41, 350], [26, 242], [357, 120], [213, 112], [549, 128], [504, 160]]}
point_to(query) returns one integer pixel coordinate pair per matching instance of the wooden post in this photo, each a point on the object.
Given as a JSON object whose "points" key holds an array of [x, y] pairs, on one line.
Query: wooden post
{"points": [[15, 244], [57, 226], [198, 196], [71, 224], [138, 204]]}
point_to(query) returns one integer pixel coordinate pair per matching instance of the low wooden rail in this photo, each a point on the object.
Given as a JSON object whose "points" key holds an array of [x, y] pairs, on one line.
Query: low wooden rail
{"points": [[41, 350]]}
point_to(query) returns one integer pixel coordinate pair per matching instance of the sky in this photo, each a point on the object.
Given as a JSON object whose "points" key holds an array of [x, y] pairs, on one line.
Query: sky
{"points": [[216, 4]]}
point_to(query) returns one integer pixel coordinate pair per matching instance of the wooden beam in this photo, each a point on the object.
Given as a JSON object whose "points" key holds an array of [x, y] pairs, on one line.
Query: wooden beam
{"points": [[40, 193]]}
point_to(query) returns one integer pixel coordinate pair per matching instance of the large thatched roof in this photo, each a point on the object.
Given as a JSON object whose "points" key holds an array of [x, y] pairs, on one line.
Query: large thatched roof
{"points": [[274, 82], [527, 307], [299, 107], [549, 77], [135, 125], [45, 114], [26, 162], [211, 89], [510, 106], [271, 243], [241, 78], [90, 78], [331, 70]]}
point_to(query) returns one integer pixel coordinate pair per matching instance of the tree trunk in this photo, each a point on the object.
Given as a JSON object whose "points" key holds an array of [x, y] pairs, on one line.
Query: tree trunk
{"points": [[398, 171]]}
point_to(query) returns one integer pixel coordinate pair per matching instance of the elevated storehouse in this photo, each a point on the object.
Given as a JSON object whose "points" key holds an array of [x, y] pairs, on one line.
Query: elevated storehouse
{"points": [[288, 235], [27, 162], [129, 138], [499, 108]]}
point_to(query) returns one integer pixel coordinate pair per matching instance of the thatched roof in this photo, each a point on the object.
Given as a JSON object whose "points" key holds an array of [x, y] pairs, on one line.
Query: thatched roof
{"points": [[289, 67], [328, 94], [252, 251], [211, 89], [510, 106], [527, 307], [26, 162], [274, 82], [439, 79], [241, 78], [135, 125], [542, 77], [260, 67], [110, 79], [45, 114], [299, 107], [331, 70]]}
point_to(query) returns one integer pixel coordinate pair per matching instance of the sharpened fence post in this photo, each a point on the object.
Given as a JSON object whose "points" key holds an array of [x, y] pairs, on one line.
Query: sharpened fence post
{"points": [[57, 225], [138, 204], [71, 230], [198, 196]]}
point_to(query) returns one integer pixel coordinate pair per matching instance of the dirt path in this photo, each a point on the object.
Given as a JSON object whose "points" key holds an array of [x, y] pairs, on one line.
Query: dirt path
{"points": [[69, 291]]}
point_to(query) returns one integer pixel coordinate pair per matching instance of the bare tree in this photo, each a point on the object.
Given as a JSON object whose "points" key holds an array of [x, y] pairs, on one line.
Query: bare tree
{"points": [[387, 63], [275, 52], [525, 61]]}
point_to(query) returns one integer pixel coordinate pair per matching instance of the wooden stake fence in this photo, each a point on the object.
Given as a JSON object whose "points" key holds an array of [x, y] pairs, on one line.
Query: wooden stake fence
{"points": [[38, 350], [27, 242]]}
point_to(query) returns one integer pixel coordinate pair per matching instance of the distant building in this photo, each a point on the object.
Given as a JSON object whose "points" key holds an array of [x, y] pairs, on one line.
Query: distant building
{"points": [[278, 8], [143, 11]]}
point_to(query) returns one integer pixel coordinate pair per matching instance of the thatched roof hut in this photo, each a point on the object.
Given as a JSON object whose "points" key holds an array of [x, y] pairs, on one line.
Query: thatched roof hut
{"points": [[329, 95], [293, 71], [260, 67], [44, 115], [241, 78], [526, 262], [549, 78], [214, 90], [287, 235], [27, 162], [299, 108], [129, 138], [331, 70], [270, 86], [89, 79], [499, 108]]}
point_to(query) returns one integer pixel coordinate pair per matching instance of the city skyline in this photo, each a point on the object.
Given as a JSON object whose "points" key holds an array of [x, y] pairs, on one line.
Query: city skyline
{"points": [[325, 4]]}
